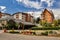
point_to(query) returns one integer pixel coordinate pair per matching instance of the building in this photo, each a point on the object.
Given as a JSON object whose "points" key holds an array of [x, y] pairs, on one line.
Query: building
{"points": [[19, 17], [23, 17], [47, 16], [4, 17]]}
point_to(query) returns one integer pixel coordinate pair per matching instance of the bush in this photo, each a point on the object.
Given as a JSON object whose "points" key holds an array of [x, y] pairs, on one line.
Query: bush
{"points": [[45, 33], [34, 33], [51, 32], [13, 31], [45, 28]]}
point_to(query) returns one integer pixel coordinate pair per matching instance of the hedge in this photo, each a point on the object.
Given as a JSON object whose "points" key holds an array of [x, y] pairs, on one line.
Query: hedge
{"points": [[46, 28]]}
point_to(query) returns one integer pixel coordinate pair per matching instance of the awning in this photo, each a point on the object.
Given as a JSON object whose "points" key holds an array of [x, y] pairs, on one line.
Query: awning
{"points": [[28, 23]]}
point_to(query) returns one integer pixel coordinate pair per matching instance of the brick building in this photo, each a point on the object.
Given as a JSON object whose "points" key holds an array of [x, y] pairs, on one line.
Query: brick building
{"points": [[47, 16]]}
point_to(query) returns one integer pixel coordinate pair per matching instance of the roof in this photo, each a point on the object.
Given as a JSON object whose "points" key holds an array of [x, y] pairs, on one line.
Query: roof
{"points": [[17, 13], [6, 13], [27, 23], [22, 13]]}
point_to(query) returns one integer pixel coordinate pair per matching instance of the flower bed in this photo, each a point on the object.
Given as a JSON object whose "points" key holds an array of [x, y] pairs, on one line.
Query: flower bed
{"points": [[14, 32], [28, 32]]}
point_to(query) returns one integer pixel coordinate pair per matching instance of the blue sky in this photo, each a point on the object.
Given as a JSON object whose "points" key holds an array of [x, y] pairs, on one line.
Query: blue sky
{"points": [[36, 6]]}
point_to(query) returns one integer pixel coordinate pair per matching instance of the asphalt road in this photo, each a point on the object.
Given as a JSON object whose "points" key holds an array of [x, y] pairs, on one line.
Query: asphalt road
{"points": [[7, 36]]}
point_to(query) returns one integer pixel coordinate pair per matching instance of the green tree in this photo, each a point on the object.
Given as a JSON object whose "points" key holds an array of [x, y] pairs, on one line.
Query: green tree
{"points": [[37, 20], [55, 22], [11, 24], [42, 23], [45, 24], [58, 21]]}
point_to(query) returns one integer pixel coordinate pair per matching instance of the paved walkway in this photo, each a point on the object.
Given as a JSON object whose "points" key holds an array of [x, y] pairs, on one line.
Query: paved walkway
{"points": [[1, 31], [7, 36]]}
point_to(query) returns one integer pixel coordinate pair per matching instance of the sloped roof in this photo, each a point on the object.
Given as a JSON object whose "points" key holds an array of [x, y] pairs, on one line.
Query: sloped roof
{"points": [[5, 13], [22, 13]]}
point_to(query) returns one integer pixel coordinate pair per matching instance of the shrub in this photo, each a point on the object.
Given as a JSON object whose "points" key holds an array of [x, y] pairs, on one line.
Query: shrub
{"points": [[45, 28], [34, 33], [51, 32], [45, 33], [13, 31]]}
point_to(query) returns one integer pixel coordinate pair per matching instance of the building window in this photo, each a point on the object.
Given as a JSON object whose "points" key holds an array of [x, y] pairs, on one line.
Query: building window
{"points": [[17, 16]]}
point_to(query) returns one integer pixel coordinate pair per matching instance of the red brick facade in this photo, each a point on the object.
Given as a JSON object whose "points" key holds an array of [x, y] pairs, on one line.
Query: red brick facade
{"points": [[47, 16], [28, 18]]}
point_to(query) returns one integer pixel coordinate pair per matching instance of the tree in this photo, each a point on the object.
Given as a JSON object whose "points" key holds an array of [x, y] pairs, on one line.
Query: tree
{"points": [[45, 24], [11, 24], [58, 21], [48, 25], [55, 22], [38, 19]]}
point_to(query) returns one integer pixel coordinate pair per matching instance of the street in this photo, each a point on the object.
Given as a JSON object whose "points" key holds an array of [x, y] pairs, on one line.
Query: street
{"points": [[8, 36]]}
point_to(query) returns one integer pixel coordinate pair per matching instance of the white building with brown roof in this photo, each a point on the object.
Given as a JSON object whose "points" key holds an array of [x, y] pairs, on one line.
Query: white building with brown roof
{"points": [[23, 18]]}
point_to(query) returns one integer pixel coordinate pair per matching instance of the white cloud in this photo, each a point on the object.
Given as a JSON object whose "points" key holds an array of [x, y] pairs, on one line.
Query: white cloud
{"points": [[36, 4], [2, 8], [35, 14], [30, 4], [19, 0], [49, 2], [56, 13]]}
